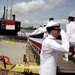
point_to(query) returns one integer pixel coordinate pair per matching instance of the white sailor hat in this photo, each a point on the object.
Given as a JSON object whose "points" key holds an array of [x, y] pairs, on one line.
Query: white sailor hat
{"points": [[52, 24]]}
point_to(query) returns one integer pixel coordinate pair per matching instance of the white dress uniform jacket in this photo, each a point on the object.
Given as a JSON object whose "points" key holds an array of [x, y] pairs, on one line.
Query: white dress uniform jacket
{"points": [[49, 54], [71, 32]]}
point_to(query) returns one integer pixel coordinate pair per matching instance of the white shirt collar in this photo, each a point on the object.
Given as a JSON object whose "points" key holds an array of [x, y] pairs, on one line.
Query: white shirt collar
{"points": [[50, 36]]}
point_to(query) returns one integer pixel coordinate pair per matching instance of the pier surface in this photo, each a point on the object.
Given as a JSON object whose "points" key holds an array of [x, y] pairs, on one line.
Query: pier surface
{"points": [[66, 66]]}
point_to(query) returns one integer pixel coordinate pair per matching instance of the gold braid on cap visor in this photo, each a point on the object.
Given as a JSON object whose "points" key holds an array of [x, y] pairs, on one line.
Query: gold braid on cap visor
{"points": [[57, 27]]}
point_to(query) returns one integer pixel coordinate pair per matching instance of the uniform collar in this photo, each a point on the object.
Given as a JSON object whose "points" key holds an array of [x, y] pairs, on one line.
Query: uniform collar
{"points": [[50, 36], [72, 22]]}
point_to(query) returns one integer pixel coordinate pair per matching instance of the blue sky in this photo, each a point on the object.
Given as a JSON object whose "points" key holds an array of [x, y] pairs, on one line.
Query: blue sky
{"points": [[37, 12]]}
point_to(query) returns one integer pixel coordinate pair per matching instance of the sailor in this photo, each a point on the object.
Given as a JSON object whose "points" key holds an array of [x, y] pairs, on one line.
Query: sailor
{"points": [[38, 30], [50, 48], [44, 29], [50, 20], [70, 31]]}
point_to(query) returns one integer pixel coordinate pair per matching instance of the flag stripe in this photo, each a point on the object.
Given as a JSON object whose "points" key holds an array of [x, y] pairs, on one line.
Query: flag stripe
{"points": [[10, 22], [38, 45], [10, 25], [37, 35], [37, 40]]}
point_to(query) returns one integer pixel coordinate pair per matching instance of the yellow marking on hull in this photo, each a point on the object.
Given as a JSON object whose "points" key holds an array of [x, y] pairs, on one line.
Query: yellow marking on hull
{"points": [[22, 68], [2, 65], [12, 42]]}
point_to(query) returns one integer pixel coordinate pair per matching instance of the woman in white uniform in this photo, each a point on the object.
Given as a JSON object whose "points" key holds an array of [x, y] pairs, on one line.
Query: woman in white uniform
{"points": [[50, 48]]}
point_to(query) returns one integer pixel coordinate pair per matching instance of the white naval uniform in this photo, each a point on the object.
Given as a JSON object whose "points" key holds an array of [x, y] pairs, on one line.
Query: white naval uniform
{"points": [[49, 54], [70, 31]]}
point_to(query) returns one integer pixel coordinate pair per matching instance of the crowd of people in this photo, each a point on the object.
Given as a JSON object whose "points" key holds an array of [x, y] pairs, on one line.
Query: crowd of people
{"points": [[50, 48]]}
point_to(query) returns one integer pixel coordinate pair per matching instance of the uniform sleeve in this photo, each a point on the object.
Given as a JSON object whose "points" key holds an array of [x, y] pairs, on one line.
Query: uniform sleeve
{"points": [[68, 30], [64, 47]]}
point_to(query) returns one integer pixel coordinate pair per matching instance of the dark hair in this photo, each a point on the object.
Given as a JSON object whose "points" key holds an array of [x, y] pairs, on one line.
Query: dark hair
{"points": [[40, 25], [49, 29], [71, 18], [51, 18]]}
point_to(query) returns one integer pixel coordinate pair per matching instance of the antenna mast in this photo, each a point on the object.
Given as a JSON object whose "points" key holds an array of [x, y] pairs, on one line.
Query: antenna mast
{"points": [[11, 9], [7, 10]]}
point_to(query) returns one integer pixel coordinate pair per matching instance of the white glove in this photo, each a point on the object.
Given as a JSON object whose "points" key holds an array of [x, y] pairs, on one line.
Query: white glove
{"points": [[64, 36], [65, 41]]}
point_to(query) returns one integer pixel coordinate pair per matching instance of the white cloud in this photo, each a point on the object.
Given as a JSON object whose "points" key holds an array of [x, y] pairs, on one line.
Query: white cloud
{"points": [[29, 22], [63, 21], [24, 7], [33, 23], [51, 4], [72, 13], [34, 5]]}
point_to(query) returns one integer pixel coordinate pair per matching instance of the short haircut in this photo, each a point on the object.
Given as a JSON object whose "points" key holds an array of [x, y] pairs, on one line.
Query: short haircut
{"points": [[49, 29], [51, 18], [71, 18]]}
